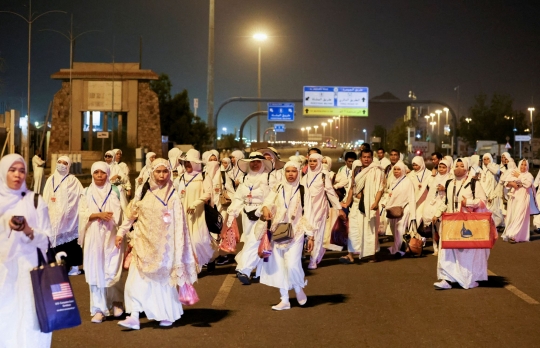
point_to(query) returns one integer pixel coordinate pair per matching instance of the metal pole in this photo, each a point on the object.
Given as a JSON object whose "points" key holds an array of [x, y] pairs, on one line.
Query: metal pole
{"points": [[27, 147], [210, 81], [259, 95]]}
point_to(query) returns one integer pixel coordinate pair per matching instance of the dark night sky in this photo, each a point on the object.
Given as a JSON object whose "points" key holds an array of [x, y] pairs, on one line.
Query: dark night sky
{"points": [[426, 46]]}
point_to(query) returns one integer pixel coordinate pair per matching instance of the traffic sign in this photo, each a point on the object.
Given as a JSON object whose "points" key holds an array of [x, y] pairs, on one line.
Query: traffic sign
{"points": [[507, 146], [102, 135], [523, 138], [281, 112], [329, 101], [279, 128], [446, 146]]}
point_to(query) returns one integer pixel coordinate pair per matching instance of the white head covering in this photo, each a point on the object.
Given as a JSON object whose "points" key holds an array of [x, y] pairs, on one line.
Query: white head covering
{"points": [[115, 151], [403, 167], [174, 155], [519, 166], [59, 175], [238, 155], [450, 160], [506, 155], [228, 167], [317, 169], [243, 164], [296, 159], [9, 197], [148, 155], [328, 165], [112, 153], [487, 155], [100, 192], [419, 160], [212, 168], [194, 158], [277, 164]]}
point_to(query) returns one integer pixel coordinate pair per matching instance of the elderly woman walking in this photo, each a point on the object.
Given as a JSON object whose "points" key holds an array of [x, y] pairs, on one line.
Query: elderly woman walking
{"points": [[100, 212], [19, 326], [163, 257], [62, 194]]}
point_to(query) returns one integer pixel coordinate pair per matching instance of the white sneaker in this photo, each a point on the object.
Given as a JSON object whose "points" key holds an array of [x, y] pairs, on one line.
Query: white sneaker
{"points": [[282, 306], [301, 297], [98, 318], [435, 253], [165, 323], [423, 241], [312, 264], [442, 285], [130, 323], [74, 270]]}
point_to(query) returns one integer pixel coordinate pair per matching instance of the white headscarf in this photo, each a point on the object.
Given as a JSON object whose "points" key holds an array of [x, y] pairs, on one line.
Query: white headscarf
{"points": [[238, 155], [59, 176], [228, 167], [115, 151], [441, 179], [474, 164], [113, 154], [328, 165], [148, 162], [418, 160], [291, 187], [403, 191], [9, 197], [100, 192], [174, 154]]}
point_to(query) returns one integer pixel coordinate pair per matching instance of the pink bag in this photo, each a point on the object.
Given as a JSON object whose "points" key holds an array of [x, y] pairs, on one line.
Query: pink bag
{"points": [[265, 246], [187, 295], [127, 257], [229, 237]]}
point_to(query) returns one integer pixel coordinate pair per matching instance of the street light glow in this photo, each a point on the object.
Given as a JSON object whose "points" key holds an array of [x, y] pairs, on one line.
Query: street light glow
{"points": [[260, 36]]}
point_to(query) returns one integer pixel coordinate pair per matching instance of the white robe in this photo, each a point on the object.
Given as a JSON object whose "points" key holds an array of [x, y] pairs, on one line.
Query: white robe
{"points": [[283, 269], [421, 181], [102, 259], [489, 181], [62, 197], [363, 231], [193, 197], [518, 217], [401, 194], [333, 215], [37, 166], [19, 326], [464, 266]]}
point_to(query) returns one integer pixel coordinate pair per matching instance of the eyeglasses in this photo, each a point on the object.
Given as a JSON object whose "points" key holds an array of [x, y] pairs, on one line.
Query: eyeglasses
{"points": [[108, 156]]}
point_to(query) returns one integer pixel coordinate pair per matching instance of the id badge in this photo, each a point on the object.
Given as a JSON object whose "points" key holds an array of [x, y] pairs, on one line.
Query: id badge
{"points": [[167, 217], [249, 198]]}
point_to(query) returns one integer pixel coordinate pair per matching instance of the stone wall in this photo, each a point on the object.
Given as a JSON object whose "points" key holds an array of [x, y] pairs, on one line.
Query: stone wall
{"points": [[148, 121], [60, 121]]}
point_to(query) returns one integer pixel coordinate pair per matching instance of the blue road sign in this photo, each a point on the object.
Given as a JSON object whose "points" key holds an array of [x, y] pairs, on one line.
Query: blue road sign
{"points": [[281, 112], [279, 128]]}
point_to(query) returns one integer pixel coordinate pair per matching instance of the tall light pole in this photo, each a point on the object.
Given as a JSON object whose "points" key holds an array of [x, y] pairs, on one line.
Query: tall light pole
{"points": [[71, 39], [446, 110], [308, 129], [427, 121], [210, 71], [259, 37], [315, 127], [323, 127], [438, 112], [330, 122], [302, 129], [365, 135], [531, 109], [29, 20]]}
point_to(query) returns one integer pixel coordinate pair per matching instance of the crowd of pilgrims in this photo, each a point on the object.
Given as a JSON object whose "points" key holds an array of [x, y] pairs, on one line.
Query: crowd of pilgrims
{"points": [[161, 222]]}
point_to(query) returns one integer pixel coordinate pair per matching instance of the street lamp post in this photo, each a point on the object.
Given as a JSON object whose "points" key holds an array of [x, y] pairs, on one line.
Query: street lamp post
{"points": [[365, 135], [468, 120], [446, 110], [29, 20], [308, 129], [427, 121], [259, 37], [438, 112], [323, 127], [330, 120], [316, 127]]}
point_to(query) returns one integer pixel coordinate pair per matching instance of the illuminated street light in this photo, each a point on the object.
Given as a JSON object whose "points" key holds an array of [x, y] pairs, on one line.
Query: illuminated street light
{"points": [[531, 109], [323, 127], [315, 128], [446, 110], [432, 123], [365, 135], [438, 112]]}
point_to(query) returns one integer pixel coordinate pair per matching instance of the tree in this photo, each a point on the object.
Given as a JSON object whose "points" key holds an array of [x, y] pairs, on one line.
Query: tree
{"points": [[380, 131], [491, 120], [397, 136], [228, 141], [177, 120]]}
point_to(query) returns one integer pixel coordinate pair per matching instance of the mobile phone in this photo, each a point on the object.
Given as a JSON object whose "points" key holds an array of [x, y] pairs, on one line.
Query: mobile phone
{"points": [[17, 220]]}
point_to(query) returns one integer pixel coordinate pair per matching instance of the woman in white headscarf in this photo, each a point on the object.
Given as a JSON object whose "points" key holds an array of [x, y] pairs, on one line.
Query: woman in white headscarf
{"points": [[464, 266], [474, 166], [247, 202], [435, 197], [489, 179], [284, 267], [420, 176], [162, 255], [521, 204], [402, 194], [194, 191], [146, 170], [19, 326], [122, 172], [236, 174], [62, 194], [318, 191], [174, 158], [100, 211]]}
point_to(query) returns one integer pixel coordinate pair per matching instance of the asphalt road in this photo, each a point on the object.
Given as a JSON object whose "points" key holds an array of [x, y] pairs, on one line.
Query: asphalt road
{"points": [[386, 304]]}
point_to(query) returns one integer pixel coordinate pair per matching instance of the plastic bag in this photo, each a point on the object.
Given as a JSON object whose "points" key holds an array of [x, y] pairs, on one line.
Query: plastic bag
{"points": [[229, 237], [265, 247], [187, 295]]}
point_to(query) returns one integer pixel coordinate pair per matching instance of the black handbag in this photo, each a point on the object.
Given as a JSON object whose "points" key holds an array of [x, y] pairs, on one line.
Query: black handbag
{"points": [[214, 220], [251, 215]]}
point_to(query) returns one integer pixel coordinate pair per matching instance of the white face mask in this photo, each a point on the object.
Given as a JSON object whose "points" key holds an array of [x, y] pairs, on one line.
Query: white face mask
{"points": [[325, 166], [61, 168]]}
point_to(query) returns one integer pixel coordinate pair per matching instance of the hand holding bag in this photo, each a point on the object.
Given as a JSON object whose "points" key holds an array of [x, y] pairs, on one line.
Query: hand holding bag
{"points": [[415, 245], [229, 237], [283, 233], [187, 295], [265, 246]]}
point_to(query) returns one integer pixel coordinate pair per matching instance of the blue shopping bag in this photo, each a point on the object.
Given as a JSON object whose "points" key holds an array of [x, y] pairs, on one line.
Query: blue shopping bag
{"points": [[55, 302]]}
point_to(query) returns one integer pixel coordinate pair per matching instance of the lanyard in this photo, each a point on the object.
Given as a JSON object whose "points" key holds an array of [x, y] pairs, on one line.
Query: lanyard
{"points": [[347, 172], [59, 183], [420, 180], [189, 182], [454, 192], [250, 189], [311, 183], [398, 183], [106, 198], [290, 199], [164, 203]]}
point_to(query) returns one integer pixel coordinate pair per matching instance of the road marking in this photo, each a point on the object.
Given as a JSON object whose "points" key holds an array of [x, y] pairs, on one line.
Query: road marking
{"points": [[517, 292], [225, 289]]}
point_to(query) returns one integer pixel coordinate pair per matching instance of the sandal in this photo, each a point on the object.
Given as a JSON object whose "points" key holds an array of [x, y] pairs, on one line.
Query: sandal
{"points": [[345, 260]]}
